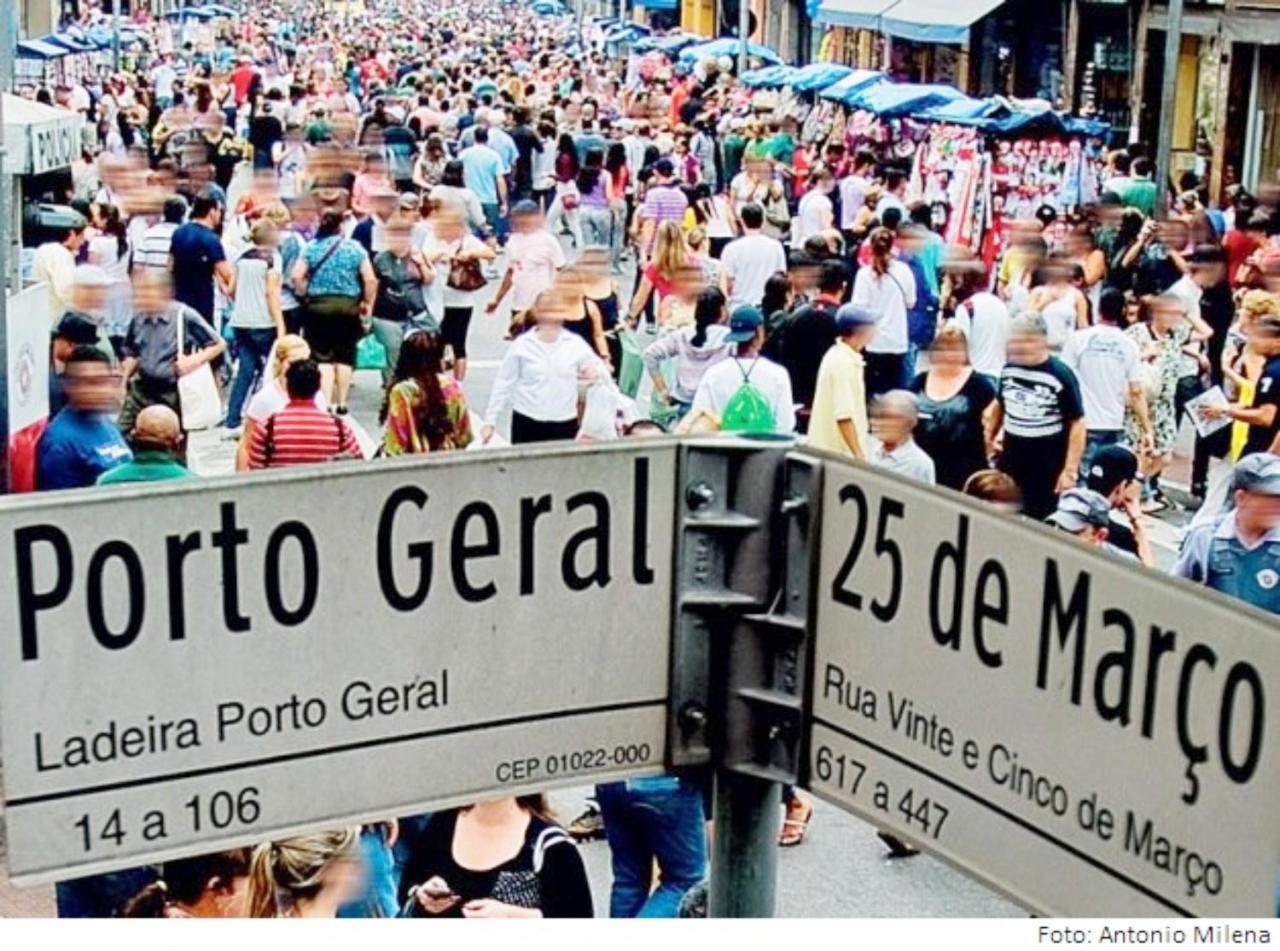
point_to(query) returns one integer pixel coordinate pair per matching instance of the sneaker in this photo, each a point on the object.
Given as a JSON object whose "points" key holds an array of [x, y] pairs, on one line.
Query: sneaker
{"points": [[231, 433], [588, 826]]}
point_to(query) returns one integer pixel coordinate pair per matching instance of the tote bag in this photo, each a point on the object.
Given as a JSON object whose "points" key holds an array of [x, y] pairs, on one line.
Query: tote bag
{"points": [[199, 401]]}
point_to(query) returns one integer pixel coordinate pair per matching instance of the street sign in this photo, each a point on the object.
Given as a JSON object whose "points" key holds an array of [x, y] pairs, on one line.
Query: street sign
{"points": [[1087, 736], [194, 666]]}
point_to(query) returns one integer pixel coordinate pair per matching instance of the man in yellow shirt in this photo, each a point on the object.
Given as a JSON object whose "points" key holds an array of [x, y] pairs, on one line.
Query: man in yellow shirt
{"points": [[838, 422]]}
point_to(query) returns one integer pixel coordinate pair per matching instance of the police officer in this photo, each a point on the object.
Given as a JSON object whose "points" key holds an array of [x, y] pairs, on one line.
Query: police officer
{"points": [[1239, 554]]}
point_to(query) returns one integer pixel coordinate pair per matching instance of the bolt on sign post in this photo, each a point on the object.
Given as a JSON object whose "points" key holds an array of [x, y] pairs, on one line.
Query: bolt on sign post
{"points": [[191, 667], [1086, 736]]}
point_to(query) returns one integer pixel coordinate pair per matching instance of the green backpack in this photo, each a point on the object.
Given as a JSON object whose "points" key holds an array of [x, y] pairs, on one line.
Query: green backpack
{"points": [[747, 410]]}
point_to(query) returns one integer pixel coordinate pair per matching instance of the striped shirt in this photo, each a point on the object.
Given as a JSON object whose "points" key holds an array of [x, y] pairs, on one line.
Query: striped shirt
{"points": [[664, 203], [152, 251], [300, 434], [1039, 401]]}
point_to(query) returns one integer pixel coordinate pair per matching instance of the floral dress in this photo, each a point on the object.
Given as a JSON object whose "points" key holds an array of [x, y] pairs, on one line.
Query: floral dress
{"points": [[404, 407], [1167, 362]]}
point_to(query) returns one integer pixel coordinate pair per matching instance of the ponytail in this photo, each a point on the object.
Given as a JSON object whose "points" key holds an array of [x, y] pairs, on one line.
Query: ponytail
{"points": [[148, 903], [707, 311], [260, 900], [881, 250]]}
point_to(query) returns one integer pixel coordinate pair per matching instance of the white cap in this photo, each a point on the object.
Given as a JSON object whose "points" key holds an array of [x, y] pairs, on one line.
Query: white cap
{"points": [[90, 275]]}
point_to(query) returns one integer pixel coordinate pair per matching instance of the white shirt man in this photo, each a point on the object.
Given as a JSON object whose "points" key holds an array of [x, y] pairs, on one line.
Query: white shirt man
{"points": [[815, 215], [984, 319], [853, 195], [1107, 364], [747, 263]]}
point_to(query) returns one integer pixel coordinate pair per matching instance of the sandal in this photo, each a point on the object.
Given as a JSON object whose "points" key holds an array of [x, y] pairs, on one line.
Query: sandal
{"points": [[794, 830]]}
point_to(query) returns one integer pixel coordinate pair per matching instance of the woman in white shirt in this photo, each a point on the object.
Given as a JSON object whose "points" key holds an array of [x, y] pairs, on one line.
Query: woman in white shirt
{"points": [[887, 288], [540, 375], [450, 244]]}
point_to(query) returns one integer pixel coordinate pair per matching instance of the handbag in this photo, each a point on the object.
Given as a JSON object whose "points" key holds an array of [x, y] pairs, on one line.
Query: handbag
{"points": [[199, 402], [466, 275]]}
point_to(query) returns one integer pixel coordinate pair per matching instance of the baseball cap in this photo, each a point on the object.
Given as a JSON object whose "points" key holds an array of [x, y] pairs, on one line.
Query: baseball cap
{"points": [[744, 322], [1258, 473], [76, 328], [525, 207], [1080, 508], [850, 317], [664, 166], [410, 201], [1111, 466]]}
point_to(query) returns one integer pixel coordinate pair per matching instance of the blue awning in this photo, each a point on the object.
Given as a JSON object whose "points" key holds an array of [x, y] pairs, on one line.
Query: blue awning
{"points": [[818, 76], [659, 4], [935, 21], [768, 77], [70, 43], [860, 14], [40, 49], [846, 89], [894, 100], [728, 46]]}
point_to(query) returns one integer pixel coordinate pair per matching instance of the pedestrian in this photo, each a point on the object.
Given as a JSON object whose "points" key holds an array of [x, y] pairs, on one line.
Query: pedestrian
{"points": [[595, 201], [1113, 474], [1086, 515], [453, 192], [747, 392], [54, 263], [1037, 425], [404, 276], [886, 288], [257, 314], [424, 410], [502, 858], [692, 350], [273, 395], [82, 442], [953, 402], [484, 174], [197, 259], [661, 276], [300, 432], [203, 886], [157, 444], [458, 258], [166, 339], [535, 257], [1238, 553], [539, 377], [335, 277], [747, 262], [893, 420], [153, 248], [838, 421], [1057, 299], [1109, 368], [307, 876], [801, 341]]}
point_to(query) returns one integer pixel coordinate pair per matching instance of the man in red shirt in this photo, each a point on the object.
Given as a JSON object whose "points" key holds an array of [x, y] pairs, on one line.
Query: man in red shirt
{"points": [[301, 433], [1241, 242], [242, 78]]}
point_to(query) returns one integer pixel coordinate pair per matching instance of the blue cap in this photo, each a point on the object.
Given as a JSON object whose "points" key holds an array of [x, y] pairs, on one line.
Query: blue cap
{"points": [[525, 207], [851, 317], [744, 322]]}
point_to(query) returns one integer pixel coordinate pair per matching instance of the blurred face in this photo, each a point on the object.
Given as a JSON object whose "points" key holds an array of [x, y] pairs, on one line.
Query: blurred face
{"points": [[1256, 512], [890, 426], [1165, 317], [449, 226], [1027, 349], [92, 387], [948, 353]]}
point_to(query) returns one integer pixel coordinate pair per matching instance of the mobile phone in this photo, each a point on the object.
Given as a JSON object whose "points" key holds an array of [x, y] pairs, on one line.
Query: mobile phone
{"points": [[440, 891]]}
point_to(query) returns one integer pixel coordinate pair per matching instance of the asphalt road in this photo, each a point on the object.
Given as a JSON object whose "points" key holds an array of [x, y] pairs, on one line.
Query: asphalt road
{"points": [[841, 870]]}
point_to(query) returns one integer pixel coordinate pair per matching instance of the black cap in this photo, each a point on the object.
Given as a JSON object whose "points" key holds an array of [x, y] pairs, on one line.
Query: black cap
{"points": [[1111, 466], [77, 329]]}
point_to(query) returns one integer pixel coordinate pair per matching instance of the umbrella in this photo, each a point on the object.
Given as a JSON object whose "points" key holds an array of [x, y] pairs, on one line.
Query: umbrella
{"points": [[728, 46]]}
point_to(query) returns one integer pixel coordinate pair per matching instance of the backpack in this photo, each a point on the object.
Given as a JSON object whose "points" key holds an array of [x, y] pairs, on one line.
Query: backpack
{"points": [[747, 410], [922, 319]]}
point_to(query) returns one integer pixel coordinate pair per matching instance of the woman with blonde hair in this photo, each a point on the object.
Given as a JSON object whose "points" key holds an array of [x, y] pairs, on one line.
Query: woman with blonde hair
{"points": [[307, 876], [272, 395], [670, 256]]}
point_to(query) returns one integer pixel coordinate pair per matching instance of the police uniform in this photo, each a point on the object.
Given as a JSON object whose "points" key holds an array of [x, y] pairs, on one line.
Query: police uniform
{"points": [[1214, 556]]}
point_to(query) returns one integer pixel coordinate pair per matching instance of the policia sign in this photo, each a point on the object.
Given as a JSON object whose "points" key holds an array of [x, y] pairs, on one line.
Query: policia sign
{"points": [[1089, 737], [186, 668], [214, 664]]}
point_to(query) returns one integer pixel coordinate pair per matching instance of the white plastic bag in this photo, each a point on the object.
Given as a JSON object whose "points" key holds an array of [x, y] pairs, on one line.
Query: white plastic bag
{"points": [[600, 414], [198, 394]]}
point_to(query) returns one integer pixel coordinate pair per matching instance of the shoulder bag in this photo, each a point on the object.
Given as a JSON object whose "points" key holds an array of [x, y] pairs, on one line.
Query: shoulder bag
{"points": [[466, 276], [199, 402]]}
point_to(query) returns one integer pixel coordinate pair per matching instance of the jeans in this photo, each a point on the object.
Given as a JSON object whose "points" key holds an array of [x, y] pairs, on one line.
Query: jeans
{"points": [[497, 224], [253, 345], [597, 227], [1094, 440], [659, 818]]}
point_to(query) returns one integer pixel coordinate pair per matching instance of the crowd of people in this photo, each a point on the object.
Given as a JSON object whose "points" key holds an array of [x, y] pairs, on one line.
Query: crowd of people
{"points": [[269, 203]]}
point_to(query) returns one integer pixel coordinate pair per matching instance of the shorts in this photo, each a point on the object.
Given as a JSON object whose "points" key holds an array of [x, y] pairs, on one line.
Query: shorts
{"points": [[453, 330], [333, 328]]}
